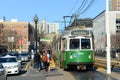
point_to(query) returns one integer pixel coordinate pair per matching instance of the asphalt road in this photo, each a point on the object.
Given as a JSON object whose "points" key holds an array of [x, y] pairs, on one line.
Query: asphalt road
{"points": [[59, 74]]}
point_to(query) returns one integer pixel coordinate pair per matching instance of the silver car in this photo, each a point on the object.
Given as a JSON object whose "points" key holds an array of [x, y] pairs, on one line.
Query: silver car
{"points": [[25, 56], [3, 75], [11, 65]]}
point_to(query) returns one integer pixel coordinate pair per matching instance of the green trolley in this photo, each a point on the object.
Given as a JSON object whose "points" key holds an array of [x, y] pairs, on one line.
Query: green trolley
{"points": [[75, 49]]}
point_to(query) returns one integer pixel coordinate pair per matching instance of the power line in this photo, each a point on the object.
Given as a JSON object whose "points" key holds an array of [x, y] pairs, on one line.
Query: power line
{"points": [[81, 6], [89, 5], [80, 10], [74, 6]]}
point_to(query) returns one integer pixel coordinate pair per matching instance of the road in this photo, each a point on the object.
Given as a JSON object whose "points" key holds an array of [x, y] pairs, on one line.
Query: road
{"points": [[59, 74]]}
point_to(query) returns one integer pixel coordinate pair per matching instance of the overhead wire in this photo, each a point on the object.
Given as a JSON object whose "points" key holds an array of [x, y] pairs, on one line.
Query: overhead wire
{"points": [[81, 6], [77, 1], [89, 5], [74, 6], [83, 3]]}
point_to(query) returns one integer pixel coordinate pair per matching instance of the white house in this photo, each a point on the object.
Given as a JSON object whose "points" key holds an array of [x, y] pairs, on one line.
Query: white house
{"points": [[99, 28]]}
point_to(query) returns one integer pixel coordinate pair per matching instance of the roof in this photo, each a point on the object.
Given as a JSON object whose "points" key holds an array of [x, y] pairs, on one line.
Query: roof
{"points": [[8, 56], [99, 14]]}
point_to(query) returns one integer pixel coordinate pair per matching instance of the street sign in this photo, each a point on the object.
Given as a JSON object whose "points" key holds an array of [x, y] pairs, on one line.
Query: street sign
{"points": [[10, 39], [21, 41]]}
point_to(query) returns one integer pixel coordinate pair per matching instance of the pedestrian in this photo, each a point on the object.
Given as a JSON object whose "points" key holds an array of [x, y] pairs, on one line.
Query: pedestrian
{"points": [[38, 61], [44, 60], [49, 58], [32, 59]]}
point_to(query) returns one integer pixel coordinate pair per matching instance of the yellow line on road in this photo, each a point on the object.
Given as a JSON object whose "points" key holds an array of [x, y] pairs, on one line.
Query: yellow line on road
{"points": [[26, 68]]}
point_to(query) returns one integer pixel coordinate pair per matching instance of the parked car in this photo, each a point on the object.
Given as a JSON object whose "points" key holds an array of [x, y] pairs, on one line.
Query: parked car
{"points": [[15, 54], [3, 75], [115, 53], [100, 53], [25, 56], [11, 64], [118, 53]]}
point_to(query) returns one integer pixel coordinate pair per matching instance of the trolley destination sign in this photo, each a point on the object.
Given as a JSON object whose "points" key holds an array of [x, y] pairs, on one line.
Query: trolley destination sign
{"points": [[80, 32]]}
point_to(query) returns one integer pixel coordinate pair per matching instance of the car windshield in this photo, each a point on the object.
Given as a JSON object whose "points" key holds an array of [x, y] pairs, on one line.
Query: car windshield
{"points": [[6, 60], [13, 54], [25, 54]]}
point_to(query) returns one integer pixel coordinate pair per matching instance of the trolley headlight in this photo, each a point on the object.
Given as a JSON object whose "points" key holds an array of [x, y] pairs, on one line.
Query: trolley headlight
{"points": [[71, 56], [89, 55]]}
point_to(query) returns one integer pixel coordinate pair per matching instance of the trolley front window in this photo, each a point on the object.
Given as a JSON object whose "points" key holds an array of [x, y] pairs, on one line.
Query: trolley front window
{"points": [[85, 44], [74, 44]]}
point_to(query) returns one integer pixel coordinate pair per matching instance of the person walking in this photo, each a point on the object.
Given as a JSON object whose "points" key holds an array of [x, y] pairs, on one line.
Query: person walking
{"points": [[49, 58], [32, 59], [38, 61], [44, 60]]}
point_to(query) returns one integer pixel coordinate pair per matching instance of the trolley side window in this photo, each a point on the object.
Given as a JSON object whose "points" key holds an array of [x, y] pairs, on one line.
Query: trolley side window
{"points": [[63, 44], [74, 44], [85, 44]]}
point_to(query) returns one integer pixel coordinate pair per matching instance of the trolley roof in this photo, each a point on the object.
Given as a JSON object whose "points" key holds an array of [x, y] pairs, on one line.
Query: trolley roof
{"points": [[77, 32]]}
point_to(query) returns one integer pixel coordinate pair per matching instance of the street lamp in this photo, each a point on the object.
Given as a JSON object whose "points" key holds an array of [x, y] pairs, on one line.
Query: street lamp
{"points": [[36, 20]]}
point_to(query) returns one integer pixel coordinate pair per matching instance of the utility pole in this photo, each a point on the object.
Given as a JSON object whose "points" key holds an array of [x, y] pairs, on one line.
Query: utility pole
{"points": [[108, 38]]}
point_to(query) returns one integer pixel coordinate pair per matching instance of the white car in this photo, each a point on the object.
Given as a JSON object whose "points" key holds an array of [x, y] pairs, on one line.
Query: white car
{"points": [[11, 64], [3, 75]]}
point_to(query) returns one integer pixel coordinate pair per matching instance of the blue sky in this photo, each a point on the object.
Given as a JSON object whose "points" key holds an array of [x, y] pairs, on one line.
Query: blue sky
{"points": [[51, 10]]}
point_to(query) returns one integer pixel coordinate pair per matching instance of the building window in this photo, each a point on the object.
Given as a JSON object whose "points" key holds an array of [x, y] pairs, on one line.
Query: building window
{"points": [[118, 32], [24, 36], [118, 21], [11, 27], [24, 30], [24, 26], [118, 27]]}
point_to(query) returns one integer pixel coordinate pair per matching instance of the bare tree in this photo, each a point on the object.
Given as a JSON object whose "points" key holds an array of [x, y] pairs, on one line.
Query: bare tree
{"points": [[115, 41], [4, 38]]}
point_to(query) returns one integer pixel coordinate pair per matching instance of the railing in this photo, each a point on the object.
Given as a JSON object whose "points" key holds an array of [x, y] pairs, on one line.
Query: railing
{"points": [[102, 62]]}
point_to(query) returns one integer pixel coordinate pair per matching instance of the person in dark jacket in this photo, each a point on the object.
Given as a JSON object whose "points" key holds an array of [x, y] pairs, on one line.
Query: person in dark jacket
{"points": [[38, 61]]}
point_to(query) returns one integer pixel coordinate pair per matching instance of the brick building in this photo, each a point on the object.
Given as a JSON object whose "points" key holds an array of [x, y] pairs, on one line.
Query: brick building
{"points": [[16, 35]]}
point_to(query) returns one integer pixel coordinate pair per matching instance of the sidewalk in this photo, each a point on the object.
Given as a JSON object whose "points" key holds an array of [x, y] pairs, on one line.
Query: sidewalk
{"points": [[57, 74], [54, 74], [35, 74], [115, 73]]}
